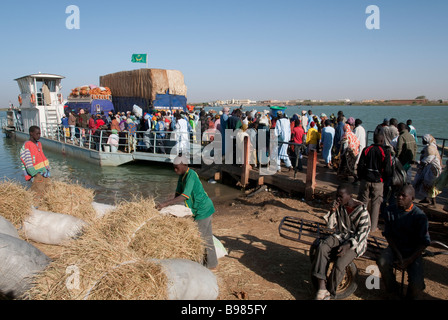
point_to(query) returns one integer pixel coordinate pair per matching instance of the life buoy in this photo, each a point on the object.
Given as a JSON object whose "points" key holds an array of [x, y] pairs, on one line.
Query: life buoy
{"points": [[20, 100], [33, 99]]}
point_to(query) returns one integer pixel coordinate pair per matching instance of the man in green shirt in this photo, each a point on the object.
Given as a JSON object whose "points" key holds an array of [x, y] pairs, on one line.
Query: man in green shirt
{"points": [[190, 190]]}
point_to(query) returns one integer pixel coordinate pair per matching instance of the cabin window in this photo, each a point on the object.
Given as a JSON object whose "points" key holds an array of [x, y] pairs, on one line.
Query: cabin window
{"points": [[24, 86], [51, 84]]}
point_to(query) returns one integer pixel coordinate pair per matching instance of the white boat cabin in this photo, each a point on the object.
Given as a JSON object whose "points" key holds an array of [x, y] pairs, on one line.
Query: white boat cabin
{"points": [[41, 101]]}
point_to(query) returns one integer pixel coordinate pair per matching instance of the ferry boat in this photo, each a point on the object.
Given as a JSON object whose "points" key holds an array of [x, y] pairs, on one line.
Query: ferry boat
{"points": [[42, 104]]}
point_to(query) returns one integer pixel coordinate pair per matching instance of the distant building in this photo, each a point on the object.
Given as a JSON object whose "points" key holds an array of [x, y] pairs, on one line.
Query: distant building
{"points": [[233, 102]]}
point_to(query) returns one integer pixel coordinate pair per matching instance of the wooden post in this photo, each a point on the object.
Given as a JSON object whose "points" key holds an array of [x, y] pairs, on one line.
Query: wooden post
{"points": [[311, 175], [246, 165], [260, 179]]}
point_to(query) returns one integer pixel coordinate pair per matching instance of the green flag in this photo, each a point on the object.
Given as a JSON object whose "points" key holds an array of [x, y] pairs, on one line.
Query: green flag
{"points": [[139, 58]]}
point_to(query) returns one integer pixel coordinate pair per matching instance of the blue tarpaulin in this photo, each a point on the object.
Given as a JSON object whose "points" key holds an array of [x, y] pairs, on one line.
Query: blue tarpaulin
{"points": [[162, 102], [124, 104], [170, 102]]}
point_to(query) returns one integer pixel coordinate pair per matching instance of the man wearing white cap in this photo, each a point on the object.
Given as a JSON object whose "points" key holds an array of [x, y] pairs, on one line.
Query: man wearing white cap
{"points": [[190, 190]]}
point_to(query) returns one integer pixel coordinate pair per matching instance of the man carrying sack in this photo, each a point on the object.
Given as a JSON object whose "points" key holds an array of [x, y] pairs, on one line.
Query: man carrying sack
{"points": [[190, 190], [35, 165]]}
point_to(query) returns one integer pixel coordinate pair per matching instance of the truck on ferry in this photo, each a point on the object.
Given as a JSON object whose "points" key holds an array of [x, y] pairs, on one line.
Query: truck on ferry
{"points": [[91, 98], [150, 89]]}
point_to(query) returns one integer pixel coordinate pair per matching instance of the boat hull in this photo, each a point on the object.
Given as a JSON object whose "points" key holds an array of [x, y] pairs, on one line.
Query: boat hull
{"points": [[105, 159]]}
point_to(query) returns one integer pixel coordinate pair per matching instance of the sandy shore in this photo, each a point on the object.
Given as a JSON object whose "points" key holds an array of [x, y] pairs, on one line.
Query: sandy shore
{"points": [[261, 265]]}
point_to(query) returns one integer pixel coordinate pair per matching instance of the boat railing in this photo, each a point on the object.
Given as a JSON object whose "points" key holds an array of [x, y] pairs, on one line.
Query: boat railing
{"points": [[159, 142], [156, 142], [442, 145]]}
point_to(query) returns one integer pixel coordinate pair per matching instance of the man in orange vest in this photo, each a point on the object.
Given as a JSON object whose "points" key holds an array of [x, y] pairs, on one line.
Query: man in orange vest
{"points": [[35, 165]]}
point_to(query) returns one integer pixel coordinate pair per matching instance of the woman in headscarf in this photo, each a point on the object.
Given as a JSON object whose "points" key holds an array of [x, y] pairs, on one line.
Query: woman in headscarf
{"points": [[113, 140], [428, 170], [114, 125], [349, 152]]}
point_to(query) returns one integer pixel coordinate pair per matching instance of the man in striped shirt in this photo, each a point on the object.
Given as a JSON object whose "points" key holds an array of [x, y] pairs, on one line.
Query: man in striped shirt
{"points": [[34, 161], [350, 221], [35, 164]]}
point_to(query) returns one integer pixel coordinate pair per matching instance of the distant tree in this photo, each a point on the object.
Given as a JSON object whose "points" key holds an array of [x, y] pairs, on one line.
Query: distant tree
{"points": [[420, 97]]}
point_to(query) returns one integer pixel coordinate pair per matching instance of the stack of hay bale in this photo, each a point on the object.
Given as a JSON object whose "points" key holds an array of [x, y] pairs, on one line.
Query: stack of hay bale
{"points": [[129, 251], [145, 83]]}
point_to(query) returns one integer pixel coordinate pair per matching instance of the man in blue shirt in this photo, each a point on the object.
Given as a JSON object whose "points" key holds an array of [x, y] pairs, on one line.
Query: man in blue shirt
{"points": [[406, 231]]}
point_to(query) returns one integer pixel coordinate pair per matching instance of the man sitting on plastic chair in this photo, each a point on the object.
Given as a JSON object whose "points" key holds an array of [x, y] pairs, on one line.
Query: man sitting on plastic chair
{"points": [[406, 231]]}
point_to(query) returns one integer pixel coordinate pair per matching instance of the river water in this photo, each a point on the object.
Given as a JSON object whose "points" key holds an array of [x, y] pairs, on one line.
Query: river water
{"points": [[113, 184]]}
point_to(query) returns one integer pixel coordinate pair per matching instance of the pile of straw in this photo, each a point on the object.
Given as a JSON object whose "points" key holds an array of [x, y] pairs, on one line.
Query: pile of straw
{"points": [[181, 239], [134, 231], [145, 83], [146, 279], [15, 202], [59, 197], [69, 198], [82, 263]]}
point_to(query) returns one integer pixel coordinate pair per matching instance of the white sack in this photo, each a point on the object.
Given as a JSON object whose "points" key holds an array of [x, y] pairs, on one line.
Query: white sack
{"points": [[51, 228], [8, 228], [137, 111], [189, 280], [102, 209], [19, 261], [219, 248], [177, 210]]}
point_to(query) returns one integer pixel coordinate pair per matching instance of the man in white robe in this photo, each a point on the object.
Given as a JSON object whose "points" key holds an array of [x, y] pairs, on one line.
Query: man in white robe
{"points": [[182, 135], [283, 132]]}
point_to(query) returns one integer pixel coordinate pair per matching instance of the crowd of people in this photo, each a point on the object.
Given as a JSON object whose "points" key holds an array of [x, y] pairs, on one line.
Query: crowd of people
{"points": [[382, 170], [340, 140]]}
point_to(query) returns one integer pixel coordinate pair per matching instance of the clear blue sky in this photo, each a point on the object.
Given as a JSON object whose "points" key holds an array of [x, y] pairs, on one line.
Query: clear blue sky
{"points": [[246, 49]]}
